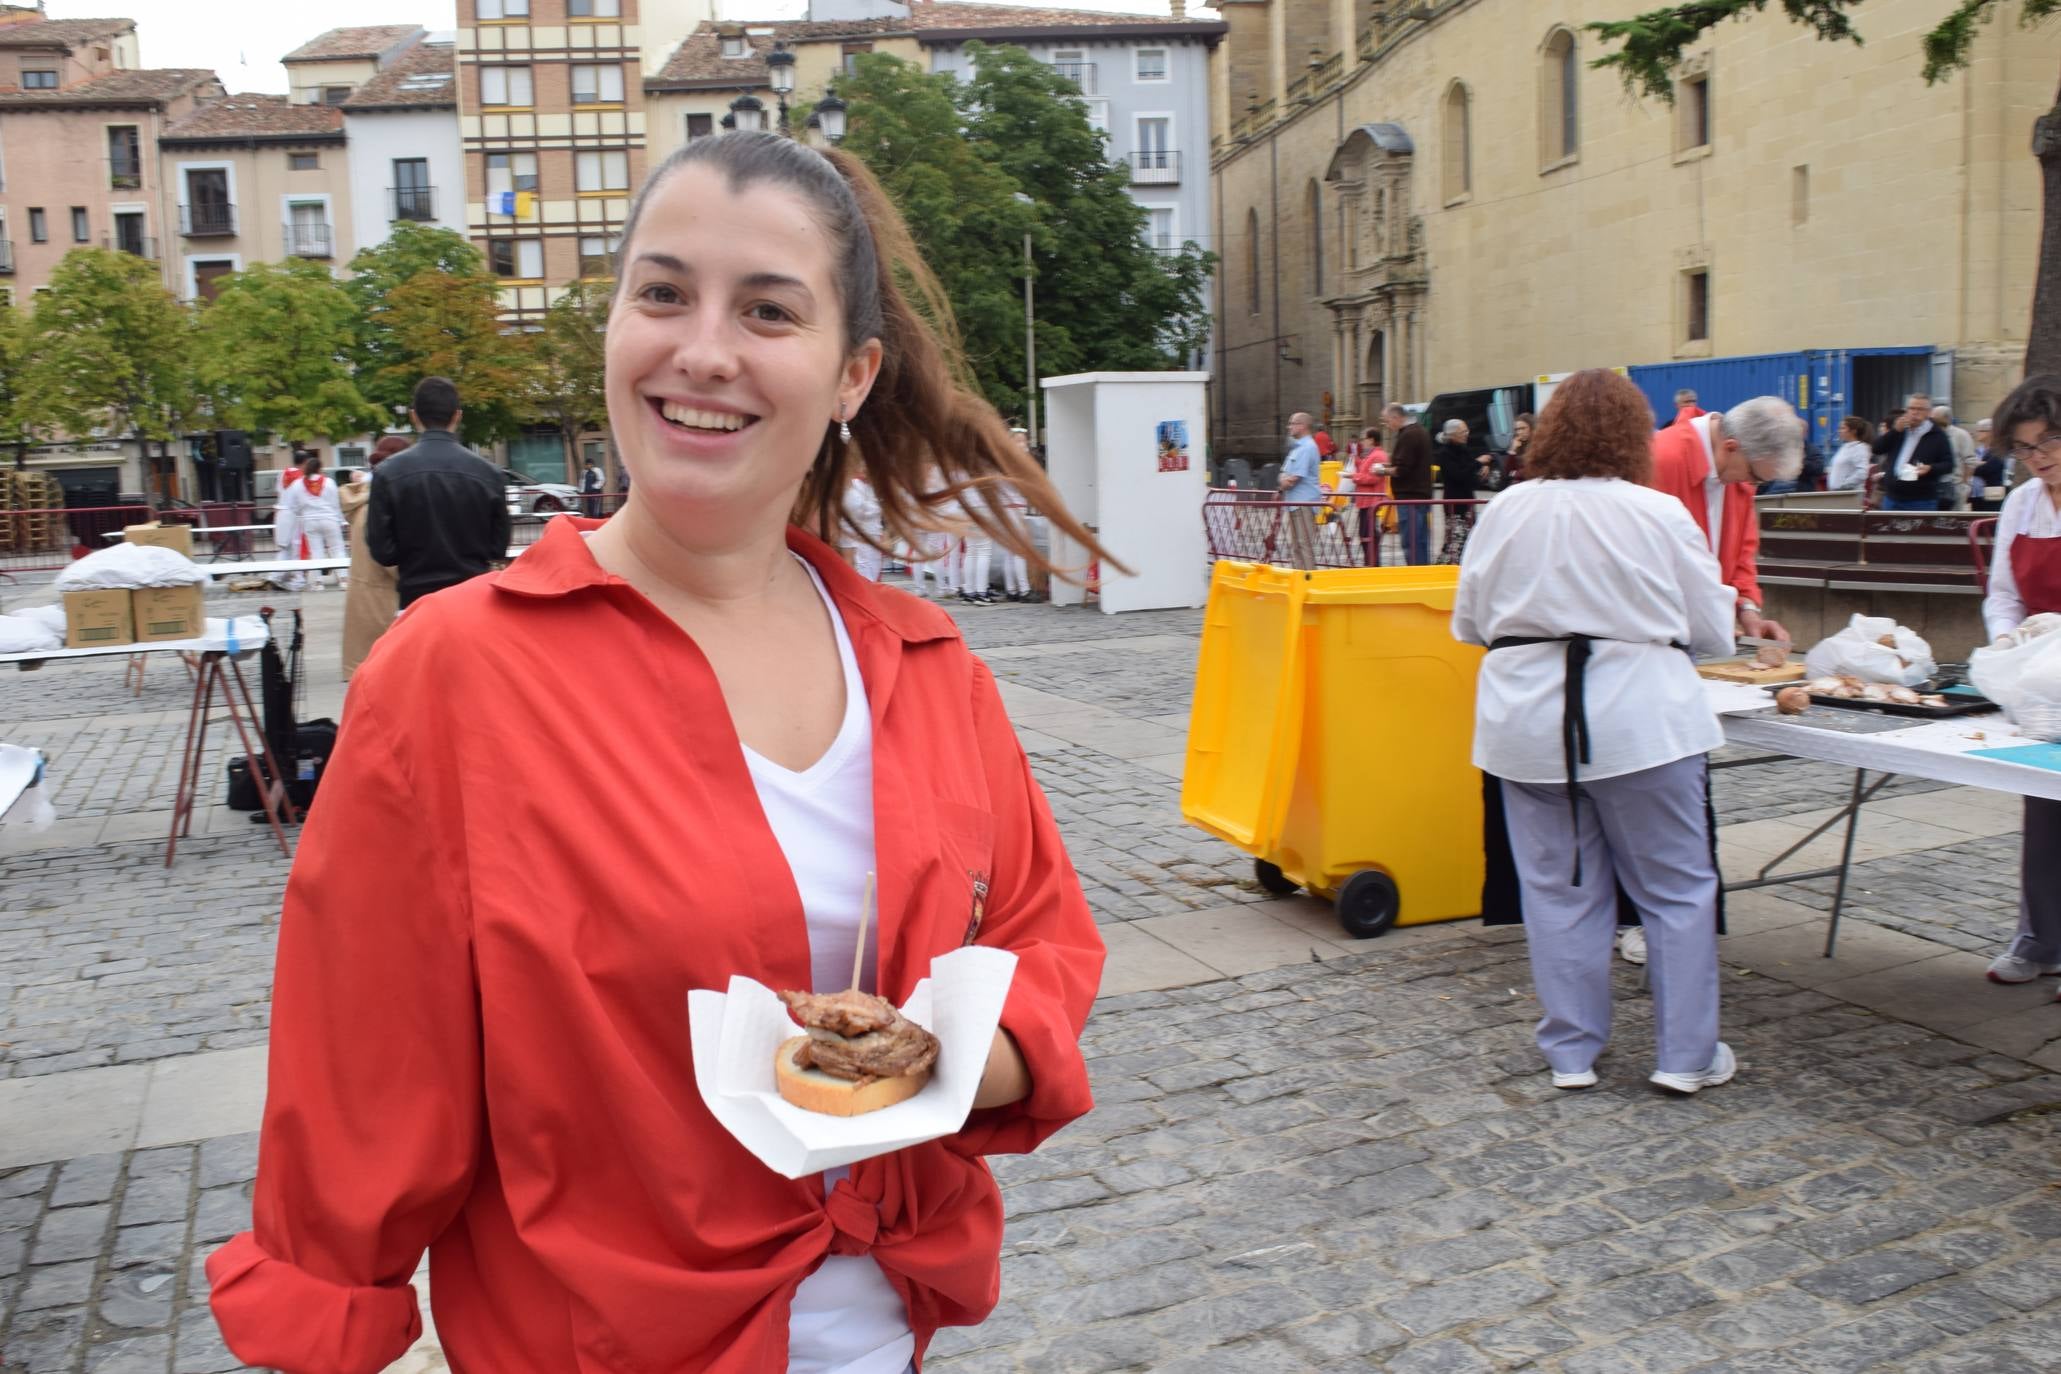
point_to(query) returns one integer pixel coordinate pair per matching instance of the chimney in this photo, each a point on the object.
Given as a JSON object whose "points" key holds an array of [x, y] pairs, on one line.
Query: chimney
{"points": [[1180, 10]]}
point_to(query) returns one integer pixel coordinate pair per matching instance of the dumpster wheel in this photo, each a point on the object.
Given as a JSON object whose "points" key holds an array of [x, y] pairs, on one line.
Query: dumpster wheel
{"points": [[1368, 904], [1273, 879]]}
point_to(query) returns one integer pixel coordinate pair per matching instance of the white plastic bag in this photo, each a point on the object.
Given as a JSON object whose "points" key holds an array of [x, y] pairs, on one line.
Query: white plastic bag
{"points": [[50, 617], [125, 566], [1858, 651], [2024, 679], [21, 635]]}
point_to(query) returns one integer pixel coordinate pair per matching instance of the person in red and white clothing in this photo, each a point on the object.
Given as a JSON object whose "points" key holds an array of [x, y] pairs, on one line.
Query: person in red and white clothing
{"points": [[2024, 580], [480, 1042]]}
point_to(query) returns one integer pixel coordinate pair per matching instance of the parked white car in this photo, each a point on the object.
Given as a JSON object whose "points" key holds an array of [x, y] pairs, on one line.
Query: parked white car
{"points": [[528, 496]]}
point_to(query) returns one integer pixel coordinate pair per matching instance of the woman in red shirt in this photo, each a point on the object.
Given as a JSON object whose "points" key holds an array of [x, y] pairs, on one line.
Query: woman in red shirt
{"points": [[480, 1039], [1370, 492]]}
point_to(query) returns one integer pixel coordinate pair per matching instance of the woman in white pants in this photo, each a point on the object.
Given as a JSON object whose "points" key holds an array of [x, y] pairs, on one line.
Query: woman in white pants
{"points": [[314, 509], [1591, 592]]}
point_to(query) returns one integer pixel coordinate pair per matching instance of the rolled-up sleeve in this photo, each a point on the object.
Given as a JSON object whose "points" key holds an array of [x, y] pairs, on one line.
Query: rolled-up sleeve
{"points": [[373, 1114], [1035, 909]]}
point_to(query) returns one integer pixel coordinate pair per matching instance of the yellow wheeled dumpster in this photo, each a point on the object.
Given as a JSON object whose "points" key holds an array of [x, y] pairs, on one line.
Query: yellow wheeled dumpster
{"points": [[1331, 736]]}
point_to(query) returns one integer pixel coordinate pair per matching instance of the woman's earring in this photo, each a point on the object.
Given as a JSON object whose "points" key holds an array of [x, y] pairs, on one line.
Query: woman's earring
{"points": [[844, 429]]}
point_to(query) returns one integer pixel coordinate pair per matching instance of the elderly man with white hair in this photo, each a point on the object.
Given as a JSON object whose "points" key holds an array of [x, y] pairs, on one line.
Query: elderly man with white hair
{"points": [[1711, 463], [1955, 487]]}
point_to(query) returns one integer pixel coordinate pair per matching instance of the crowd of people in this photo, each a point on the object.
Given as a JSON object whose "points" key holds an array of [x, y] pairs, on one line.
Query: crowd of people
{"points": [[1409, 482]]}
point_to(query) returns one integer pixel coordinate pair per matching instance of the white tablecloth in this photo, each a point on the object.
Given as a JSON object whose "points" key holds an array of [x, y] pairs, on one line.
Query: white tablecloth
{"points": [[1939, 749]]}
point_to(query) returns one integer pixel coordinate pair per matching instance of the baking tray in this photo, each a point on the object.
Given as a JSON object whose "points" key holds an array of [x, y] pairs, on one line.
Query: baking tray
{"points": [[1817, 718], [1958, 705]]}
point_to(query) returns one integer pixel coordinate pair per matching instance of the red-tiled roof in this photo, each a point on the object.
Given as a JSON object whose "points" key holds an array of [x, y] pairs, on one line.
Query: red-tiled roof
{"points": [[149, 86], [337, 45], [252, 115], [62, 33], [419, 79], [960, 14], [700, 58]]}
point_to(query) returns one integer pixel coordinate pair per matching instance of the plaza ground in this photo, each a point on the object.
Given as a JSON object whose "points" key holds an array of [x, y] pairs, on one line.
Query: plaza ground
{"points": [[1309, 1152]]}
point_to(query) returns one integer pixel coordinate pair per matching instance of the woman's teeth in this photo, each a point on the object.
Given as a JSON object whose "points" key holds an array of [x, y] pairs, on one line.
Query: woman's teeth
{"points": [[690, 418]]}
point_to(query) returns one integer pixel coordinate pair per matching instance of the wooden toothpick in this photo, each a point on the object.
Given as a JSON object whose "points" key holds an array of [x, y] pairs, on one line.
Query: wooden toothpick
{"points": [[865, 919]]}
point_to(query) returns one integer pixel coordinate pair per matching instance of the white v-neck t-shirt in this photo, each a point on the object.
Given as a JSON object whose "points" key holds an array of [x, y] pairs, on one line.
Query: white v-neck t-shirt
{"points": [[847, 1317]]}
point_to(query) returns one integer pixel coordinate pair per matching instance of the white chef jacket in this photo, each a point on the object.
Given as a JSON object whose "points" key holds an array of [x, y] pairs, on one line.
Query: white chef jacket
{"points": [[1623, 564], [2029, 510]]}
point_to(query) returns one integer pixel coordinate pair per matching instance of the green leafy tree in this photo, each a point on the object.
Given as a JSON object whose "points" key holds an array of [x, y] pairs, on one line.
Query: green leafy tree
{"points": [[1649, 49], [410, 250], [20, 420], [1117, 302], [271, 354], [110, 350], [567, 377], [962, 211], [437, 324]]}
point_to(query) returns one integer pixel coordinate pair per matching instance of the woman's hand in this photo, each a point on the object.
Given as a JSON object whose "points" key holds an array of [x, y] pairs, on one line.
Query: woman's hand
{"points": [[1007, 1078]]}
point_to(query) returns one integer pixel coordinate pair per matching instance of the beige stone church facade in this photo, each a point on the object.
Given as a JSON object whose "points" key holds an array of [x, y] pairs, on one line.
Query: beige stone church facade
{"points": [[1423, 199]]}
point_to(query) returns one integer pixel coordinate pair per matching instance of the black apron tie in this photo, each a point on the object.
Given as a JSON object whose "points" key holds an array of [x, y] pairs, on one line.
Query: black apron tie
{"points": [[1574, 719]]}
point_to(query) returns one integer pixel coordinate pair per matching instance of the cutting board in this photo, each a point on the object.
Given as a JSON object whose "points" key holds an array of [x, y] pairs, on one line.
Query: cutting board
{"points": [[1743, 670]]}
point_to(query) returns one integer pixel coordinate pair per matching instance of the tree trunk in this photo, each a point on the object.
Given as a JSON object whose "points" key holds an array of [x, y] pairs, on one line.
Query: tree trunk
{"points": [[2043, 340]]}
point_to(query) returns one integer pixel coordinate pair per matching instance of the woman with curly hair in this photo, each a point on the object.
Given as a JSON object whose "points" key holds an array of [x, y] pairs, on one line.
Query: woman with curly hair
{"points": [[1590, 592]]}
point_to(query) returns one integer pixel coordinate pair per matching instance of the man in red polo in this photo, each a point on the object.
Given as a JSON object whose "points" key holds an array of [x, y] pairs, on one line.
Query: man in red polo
{"points": [[1711, 464]]}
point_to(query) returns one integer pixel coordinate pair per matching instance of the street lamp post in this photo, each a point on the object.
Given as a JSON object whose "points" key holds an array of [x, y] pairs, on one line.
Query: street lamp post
{"points": [[780, 72], [749, 112], [830, 115], [1030, 337]]}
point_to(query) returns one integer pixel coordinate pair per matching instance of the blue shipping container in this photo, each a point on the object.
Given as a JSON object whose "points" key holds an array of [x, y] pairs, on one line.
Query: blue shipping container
{"points": [[1825, 385]]}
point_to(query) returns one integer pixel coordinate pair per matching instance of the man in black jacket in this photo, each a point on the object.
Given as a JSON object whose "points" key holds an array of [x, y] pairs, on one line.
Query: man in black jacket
{"points": [[1409, 467], [1915, 457], [439, 511]]}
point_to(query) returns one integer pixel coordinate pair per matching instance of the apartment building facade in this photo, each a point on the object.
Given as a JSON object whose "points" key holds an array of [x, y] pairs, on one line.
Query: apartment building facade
{"points": [[552, 124], [1144, 80], [257, 179], [406, 160], [79, 127]]}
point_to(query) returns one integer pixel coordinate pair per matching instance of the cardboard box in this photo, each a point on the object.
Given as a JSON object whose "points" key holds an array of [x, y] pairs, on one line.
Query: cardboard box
{"points": [[175, 537], [163, 613], [94, 619]]}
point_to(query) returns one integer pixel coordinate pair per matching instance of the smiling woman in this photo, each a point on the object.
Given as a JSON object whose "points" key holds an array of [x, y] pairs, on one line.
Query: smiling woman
{"points": [[516, 1023]]}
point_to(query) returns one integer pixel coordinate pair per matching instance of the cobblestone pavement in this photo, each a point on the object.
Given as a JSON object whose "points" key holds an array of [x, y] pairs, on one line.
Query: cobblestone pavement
{"points": [[1356, 1166], [1342, 1166], [157, 963]]}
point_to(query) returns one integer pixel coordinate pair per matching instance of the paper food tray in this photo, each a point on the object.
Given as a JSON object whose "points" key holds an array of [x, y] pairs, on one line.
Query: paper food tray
{"points": [[735, 1035]]}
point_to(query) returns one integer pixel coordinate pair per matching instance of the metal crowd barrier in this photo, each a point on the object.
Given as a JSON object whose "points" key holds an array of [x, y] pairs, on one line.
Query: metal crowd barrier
{"points": [[1337, 532]]}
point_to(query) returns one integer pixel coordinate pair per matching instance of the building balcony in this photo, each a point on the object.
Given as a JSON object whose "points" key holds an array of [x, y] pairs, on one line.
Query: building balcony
{"points": [[417, 203], [209, 221], [308, 241], [1155, 167], [6, 255], [1081, 74], [141, 246], [123, 174]]}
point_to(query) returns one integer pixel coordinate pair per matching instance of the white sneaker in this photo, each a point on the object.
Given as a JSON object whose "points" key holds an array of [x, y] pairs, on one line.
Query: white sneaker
{"points": [[1631, 944], [1721, 1070], [2009, 968], [1585, 1079]]}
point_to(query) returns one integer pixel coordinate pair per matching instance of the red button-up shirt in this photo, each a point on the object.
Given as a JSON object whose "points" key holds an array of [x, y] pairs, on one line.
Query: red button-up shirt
{"points": [[479, 1029]]}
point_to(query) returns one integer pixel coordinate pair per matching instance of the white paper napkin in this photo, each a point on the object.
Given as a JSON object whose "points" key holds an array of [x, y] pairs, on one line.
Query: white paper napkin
{"points": [[736, 1034]]}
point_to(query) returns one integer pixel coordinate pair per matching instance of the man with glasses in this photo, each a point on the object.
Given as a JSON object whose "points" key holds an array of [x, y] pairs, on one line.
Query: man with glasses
{"points": [[1917, 459]]}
